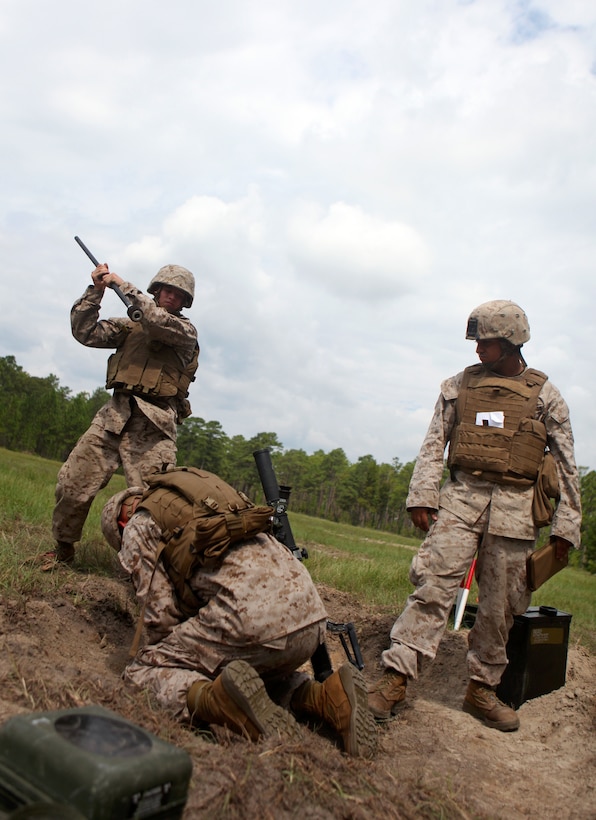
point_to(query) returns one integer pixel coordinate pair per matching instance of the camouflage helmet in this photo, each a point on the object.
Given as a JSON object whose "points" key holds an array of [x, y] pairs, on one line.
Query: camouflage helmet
{"points": [[499, 319], [111, 513], [177, 277]]}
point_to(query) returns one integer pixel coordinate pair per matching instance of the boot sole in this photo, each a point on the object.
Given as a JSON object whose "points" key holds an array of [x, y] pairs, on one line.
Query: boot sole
{"points": [[502, 726], [362, 738], [244, 686]]}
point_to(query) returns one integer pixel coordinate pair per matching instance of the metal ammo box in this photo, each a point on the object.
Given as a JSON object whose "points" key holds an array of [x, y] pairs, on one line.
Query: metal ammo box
{"points": [[537, 652], [93, 762]]}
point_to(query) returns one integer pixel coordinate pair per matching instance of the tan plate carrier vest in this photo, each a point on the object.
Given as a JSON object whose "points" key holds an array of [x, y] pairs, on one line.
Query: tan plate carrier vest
{"points": [[200, 517], [151, 370], [511, 454]]}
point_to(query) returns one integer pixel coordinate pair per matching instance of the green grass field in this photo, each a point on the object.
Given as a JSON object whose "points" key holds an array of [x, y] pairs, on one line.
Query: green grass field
{"points": [[369, 564]]}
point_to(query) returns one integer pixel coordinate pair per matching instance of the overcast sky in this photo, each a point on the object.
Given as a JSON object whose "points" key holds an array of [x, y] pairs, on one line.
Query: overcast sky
{"points": [[346, 179]]}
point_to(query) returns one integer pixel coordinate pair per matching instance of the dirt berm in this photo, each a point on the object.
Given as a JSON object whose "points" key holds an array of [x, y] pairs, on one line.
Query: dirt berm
{"points": [[433, 760]]}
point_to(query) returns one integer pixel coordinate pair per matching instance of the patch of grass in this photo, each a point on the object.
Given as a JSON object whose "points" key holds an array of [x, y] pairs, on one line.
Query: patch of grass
{"points": [[361, 540], [380, 579], [27, 485], [368, 563]]}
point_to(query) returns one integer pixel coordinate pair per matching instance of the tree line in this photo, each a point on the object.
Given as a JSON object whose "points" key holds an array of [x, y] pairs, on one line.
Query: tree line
{"points": [[325, 485], [38, 415]]}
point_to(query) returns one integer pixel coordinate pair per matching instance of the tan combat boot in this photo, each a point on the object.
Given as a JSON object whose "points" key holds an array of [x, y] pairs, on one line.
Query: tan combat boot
{"points": [[63, 554], [237, 699], [387, 695], [482, 702], [341, 702]]}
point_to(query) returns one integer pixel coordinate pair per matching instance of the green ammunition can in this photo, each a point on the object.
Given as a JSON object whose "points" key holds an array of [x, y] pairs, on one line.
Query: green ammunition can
{"points": [[92, 761]]}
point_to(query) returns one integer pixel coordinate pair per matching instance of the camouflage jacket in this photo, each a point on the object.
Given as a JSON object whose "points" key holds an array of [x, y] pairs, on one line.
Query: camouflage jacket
{"points": [[159, 325], [467, 496]]}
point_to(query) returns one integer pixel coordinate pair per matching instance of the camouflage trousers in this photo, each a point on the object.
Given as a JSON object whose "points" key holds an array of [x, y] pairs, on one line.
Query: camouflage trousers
{"points": [[436, 572], [141, 449], [169, 668]]}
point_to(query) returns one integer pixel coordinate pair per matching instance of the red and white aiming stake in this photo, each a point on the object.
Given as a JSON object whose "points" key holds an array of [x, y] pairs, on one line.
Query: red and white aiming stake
{"points": [[462, 595]]}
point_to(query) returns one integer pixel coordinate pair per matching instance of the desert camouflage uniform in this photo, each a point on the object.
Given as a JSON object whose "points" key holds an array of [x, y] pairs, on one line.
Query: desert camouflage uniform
{"points": [[127, 430], [260, 606], [476, 514]]}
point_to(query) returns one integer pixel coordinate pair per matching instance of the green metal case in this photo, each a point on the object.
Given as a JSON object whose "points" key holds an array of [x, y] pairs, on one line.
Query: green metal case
{"points": [[93, 761]]}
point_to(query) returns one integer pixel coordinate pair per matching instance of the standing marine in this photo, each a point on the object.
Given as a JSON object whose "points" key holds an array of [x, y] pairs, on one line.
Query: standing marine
{"points": [[150, 371], [504, 423]]}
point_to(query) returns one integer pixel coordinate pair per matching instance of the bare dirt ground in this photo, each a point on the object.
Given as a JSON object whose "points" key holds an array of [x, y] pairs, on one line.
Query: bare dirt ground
{"points": [[433, 760]]}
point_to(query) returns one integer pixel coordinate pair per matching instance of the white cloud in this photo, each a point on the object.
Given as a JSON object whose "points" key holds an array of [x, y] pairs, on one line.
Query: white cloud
{"points": [[354, 254]]}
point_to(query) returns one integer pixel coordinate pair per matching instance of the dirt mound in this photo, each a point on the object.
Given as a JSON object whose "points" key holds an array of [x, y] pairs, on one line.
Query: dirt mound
{"points": [[433, 760]]}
